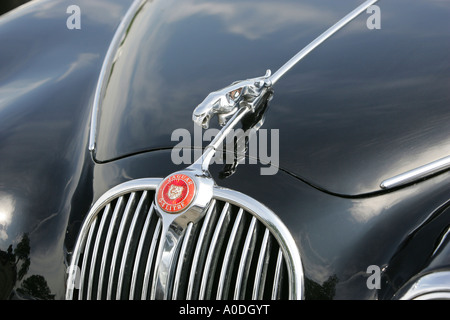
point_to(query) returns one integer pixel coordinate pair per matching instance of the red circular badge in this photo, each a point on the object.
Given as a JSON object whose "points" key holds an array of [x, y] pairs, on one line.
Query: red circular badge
{"points": [[176, 193]]}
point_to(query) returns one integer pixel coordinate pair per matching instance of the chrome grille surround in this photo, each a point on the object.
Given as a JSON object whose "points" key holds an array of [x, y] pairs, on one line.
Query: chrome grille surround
{"points": [[238, 250]]}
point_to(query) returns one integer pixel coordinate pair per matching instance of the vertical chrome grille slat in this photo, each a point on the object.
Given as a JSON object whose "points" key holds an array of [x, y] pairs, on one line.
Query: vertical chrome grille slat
{"points": [[178, 272], [128, 243], [150, 259], [277, 278], [244, 264], [85, 258], [235, 251], [158, 256], [199, 251], [139, 251], [96, 247], [116, 247], [258, 287], [226, 265], [117, 208], [211, 251]]}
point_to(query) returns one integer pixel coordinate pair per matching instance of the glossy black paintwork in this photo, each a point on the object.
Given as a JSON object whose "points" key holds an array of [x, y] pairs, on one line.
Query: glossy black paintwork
{"points": [[359, 113], [47, 80], [363, 107]]}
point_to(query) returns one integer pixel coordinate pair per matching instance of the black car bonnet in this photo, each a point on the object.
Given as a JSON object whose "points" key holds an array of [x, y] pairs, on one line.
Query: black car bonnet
{"points": [[368, 104]]}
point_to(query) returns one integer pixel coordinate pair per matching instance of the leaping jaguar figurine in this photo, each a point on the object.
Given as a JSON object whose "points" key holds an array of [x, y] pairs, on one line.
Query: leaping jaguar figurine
{"points": [[227, 101]]}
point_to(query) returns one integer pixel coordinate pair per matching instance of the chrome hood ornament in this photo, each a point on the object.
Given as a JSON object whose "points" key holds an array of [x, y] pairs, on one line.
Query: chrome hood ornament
{"points": [[226, 101], [231, 105], [233, 102]]}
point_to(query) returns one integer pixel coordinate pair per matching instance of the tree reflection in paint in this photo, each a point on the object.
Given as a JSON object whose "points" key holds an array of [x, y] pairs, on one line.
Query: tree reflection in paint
{"points": [[14, 265]]}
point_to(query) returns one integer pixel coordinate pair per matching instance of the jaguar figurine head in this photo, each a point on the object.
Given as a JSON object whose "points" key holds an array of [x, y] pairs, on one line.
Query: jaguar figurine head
{"points": [[227, 101]]}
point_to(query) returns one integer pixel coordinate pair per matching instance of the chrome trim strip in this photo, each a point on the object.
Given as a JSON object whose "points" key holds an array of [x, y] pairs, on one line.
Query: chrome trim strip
{"points": [[319, 40], [279, 231], [107, 66], [417, 173], [434, 296], [435, 285]]}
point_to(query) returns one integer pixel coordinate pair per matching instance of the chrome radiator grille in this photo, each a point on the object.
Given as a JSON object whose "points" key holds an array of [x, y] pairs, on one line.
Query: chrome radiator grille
{"points": [[231, 253]]}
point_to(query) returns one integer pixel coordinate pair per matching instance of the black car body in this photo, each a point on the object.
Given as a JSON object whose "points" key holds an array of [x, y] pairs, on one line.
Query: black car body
{"points": [[367, 105]]}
